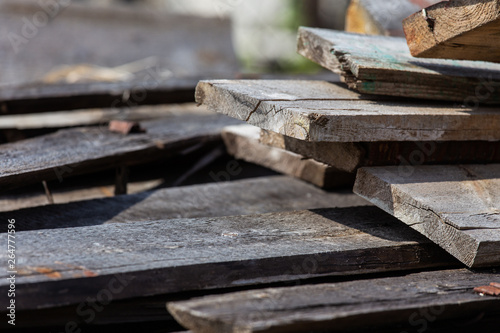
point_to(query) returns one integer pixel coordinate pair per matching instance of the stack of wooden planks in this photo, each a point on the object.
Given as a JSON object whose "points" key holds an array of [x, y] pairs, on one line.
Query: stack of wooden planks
{"points": [[366, 202], [422, 144]]}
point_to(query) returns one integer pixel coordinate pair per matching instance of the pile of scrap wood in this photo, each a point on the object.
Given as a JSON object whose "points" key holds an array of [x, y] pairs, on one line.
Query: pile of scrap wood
{"points": [[242, 248]]}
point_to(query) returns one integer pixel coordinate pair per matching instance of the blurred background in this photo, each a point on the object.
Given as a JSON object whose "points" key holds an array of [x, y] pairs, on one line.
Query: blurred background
{"points": [[112, 40]]}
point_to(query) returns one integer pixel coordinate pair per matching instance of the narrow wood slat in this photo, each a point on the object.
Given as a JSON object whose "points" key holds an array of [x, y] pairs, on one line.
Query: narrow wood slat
{"points": [[459, 29], [349, 156], [457, 207], [243, 143], [252, 196], [381, 17], [66, 266], [73, 118], [322, 111], [417, 299], [384, 66], [84, 150]]}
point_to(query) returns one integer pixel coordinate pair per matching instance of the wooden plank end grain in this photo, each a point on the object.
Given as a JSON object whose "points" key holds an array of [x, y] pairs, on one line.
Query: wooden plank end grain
{"points": [[459, 29], [457, 207]]}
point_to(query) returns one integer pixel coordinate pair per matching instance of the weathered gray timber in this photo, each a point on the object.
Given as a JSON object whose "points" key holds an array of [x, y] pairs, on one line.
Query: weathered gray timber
{"points": [[322, 111], [457, 207], [242, 142], [252, 196], [416, 298], [86, 117], [383, 65], [84, 150], [36, 98], [170, 256], [349, 156]]}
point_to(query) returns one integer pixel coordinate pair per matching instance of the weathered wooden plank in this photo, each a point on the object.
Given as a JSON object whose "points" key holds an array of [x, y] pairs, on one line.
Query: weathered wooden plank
{"points": [[242, 142], [252, 196], [56, 97], [457, 207], [381, 17], [349, 156], [418, 299], [383, 65], [459, 29], [321, 111], [86, 117], [169, 256], [84, 150]]}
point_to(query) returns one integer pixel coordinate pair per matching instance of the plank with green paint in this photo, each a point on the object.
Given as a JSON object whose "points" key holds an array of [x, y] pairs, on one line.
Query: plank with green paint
{"points": [[384, 66]]}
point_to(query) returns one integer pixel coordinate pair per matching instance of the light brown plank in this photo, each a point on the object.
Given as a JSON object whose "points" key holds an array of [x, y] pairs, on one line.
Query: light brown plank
{"points": [[459, 29], [242, 142], [381, 17], [457, 207]]}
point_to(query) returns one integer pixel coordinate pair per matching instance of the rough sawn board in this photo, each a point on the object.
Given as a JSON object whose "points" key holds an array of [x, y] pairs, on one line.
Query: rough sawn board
{"points": [[322, 111], [170, 256], [383, 65], [344, 306], [457, 207]]}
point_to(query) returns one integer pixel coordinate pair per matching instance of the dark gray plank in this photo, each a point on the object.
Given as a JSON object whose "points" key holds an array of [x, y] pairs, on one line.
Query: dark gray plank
{"points": [[252, 196], [349, 156], [322, 111], [85, 117], [84, 150], [41, 97], [383, 65], [457, 207], [242, 141], [65, 266], [414, 298]]}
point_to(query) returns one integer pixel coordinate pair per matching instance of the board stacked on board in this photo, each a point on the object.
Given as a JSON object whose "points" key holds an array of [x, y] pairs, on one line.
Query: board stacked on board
{"points": [[420, 136], [201, 230]]}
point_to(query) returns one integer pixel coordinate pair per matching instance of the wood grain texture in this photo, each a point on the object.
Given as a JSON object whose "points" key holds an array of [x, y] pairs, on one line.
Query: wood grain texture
{"points": [[252, 196], [381, 17], [322, 111], [457, 207], [349, 156], [384, 66], [85, 150], [34, 98], [242, 142], [459, 29], [170, 256], [73, 118], [338, 307]]}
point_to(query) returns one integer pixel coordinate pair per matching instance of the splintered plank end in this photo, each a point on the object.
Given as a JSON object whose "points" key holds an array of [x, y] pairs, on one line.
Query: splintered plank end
{"points": [[460, 29], [455, 206]]}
